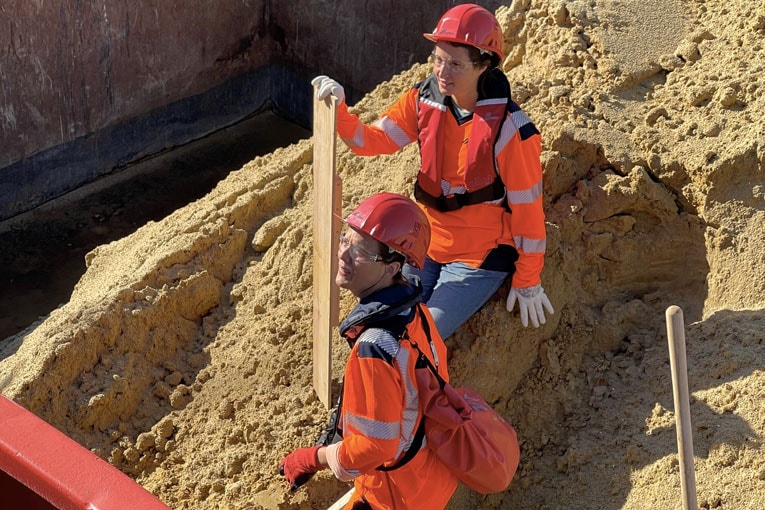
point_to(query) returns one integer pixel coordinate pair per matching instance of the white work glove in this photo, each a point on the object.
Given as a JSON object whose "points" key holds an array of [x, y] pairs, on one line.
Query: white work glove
{"points": [[326, 86], [530, 301]]}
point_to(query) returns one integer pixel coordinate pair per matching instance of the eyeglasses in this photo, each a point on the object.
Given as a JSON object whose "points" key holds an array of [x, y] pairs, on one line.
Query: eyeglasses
{"points": [[357, 252], [453, 66]]}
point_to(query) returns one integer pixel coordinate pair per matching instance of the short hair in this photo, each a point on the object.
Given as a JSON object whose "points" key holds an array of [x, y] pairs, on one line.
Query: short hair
{"points": [[479, 56]]}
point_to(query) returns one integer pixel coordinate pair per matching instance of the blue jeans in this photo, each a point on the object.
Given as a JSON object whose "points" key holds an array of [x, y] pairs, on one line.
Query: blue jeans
{"points": [[454, 291]]}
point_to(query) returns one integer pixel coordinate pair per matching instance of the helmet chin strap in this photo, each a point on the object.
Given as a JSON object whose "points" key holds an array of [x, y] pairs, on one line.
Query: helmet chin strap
{"points": [[372, 287]]}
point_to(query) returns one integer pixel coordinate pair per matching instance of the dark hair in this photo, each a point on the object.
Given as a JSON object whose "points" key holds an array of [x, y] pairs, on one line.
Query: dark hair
{"points": [[389, 256], [478, 56]]}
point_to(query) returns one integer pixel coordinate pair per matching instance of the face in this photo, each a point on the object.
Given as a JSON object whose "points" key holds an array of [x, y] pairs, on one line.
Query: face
{"points": [[357, 269], [457, 75]]}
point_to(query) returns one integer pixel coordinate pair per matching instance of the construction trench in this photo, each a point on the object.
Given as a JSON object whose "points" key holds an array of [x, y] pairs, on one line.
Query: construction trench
{"points": [[182, 354]]}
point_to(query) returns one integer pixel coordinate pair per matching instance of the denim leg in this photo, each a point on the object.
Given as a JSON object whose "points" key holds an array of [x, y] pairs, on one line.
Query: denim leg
{"points": [[428, 276], [461, 290]]}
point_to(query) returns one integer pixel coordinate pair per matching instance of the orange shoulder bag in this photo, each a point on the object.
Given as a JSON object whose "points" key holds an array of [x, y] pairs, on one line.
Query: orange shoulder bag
{"points": [[464, 431]]}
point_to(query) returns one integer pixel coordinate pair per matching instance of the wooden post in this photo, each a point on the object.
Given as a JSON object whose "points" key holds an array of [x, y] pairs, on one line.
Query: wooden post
{"points": [[678, 364], [327, 203], [344, 499]]}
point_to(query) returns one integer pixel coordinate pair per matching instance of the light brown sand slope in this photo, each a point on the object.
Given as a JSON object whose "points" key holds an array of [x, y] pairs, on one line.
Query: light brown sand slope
{"points": [[183, 355]]}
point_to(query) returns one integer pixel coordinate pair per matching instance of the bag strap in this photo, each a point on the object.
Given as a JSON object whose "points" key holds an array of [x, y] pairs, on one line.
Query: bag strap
{"points": [[419, 435], [422, 361], [411, 451], [422, 357]]}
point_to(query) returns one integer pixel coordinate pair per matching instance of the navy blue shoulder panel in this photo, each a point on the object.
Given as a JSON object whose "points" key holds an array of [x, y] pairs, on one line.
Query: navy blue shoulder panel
{"points": [[428, 89], [526, 128], [377, 343]]}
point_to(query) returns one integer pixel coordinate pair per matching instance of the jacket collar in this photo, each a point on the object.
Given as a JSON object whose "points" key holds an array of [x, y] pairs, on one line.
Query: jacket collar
{"points": [[391, 308]]}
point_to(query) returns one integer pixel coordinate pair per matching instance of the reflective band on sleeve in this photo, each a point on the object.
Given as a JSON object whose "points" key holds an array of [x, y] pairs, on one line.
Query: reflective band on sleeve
{"points": [[358, 139], [525, 196], [373, 428], [527, 245], [394, 132]]}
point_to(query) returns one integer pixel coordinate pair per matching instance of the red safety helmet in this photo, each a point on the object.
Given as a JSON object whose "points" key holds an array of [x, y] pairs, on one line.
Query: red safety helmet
{"points": [[470, 24], [395, 221]]}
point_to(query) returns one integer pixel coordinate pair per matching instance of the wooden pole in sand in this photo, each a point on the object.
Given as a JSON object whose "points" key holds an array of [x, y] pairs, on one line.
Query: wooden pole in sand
{"points": [[678, 364], [327, 195]]}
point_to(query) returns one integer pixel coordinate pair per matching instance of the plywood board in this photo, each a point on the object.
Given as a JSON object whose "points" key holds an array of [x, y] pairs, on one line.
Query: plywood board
{"points": [[327, 200]]}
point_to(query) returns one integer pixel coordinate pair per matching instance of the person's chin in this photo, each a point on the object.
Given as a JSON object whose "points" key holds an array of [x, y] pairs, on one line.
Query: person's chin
{"points": [[342, 280]]}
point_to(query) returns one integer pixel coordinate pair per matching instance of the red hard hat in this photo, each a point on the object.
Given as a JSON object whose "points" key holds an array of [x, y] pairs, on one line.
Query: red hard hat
{"points": [[395, 221], [469, 24]]}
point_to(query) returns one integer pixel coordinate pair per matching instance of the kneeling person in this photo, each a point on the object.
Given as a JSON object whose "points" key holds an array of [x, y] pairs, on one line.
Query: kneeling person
{"points": [[381, 419]]}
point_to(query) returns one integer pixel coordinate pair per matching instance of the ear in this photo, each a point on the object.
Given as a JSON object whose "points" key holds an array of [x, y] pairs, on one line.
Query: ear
{"points": [[392, 269]]}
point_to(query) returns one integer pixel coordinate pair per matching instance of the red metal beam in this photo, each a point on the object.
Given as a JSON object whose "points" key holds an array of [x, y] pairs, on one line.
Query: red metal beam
{"points": [[47, 463]]}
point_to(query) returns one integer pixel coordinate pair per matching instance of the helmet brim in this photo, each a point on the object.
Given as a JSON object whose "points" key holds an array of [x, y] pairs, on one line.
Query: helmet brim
{"points": [[438, 39]]}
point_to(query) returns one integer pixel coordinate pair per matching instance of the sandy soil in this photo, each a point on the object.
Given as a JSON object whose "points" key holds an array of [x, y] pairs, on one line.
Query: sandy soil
{"points": [[184, 354]]}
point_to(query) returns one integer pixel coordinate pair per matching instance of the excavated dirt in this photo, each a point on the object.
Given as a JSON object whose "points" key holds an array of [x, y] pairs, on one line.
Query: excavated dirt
{"points": [[184, 354]]}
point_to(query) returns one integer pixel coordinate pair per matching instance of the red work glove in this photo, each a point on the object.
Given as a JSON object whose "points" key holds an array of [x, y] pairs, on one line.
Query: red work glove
{"points": [[300, 465]]}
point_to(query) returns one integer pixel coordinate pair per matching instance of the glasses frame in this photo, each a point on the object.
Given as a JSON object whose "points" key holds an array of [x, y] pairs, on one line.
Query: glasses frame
{"points": [[439, 61], [357, 252]]}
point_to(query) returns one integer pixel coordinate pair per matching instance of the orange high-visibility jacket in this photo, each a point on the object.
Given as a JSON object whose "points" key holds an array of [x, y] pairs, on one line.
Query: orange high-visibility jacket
{"points": [[468, 234], [380, 414]]}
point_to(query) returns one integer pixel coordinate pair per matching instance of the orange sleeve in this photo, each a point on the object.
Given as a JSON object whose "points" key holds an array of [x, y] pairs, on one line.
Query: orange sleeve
{"points": [[373, 408], [380, 386], [521, 172], [393, 131]]}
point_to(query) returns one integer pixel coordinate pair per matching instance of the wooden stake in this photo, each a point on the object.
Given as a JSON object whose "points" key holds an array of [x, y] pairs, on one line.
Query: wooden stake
{"points": [[340, 503], [678, 364], [327, 187]]}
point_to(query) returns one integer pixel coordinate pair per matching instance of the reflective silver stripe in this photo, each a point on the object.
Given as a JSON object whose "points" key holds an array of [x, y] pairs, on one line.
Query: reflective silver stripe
{"points": [[373, 428], [393, 131], [459, 190], [528, 245], [448, 190], [358, 139], [435, 354], [433, 104], [411, 403], [403, 430], [358, 136], [525, 196], [495, 100], [509, 129], [381, 338], [520, 119], [498, 201]]}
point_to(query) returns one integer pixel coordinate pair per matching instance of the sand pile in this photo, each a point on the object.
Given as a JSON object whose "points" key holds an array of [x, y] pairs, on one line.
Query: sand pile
{"points": [[184, 354]]}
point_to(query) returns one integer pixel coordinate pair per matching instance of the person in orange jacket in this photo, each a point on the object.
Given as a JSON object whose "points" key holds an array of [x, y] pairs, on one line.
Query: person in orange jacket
{"points": [[380, 416], [480, 181]]}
